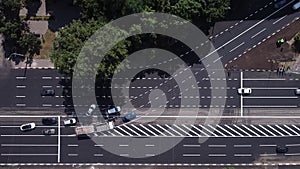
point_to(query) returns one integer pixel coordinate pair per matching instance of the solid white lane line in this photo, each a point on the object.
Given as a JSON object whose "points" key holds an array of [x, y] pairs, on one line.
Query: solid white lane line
{"points": [[72, 145], [270, 106], [258, 33], [275, 130], [20, 96], [242, 155], [264, 79], [28, 145], [266, 129], [199, 130], [165, 130], [149, 145], [123, 145], [20, 77], [72, 155], [190, 130], [98, 155], [218, 59], [46, 78], [237, 46], [148, 130], [58, 137], [258, 130], [162, 133], [265, 155], [283, 130], [250, 130], [140, 130], [292, 154], [11, 154], [191, 155], [271, 97], [182, 130], [174, 130], [21, 86], [98, 145], [274, 88], [242, 130], [279, 19], [292, 145], [242, 109], [242, 145]]}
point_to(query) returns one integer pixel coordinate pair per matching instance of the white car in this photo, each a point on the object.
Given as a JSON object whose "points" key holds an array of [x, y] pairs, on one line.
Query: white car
{"points": [[244, 91], [70, 121], [91, 109], [27, 127], [114, 110]]}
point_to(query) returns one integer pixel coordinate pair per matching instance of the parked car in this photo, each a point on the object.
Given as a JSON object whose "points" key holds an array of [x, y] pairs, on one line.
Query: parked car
{"points": [[114, 110], [297, 91], [27, 126], [71, 121], [48, 92], [129, 117], [91, 109], [49, 121], [296, 6], [279, 4], [48, 131], [281, 149], [244, 91]]}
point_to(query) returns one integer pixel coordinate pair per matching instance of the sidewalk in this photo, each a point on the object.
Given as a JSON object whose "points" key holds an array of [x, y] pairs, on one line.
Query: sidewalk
{"points": [[36, 64]]}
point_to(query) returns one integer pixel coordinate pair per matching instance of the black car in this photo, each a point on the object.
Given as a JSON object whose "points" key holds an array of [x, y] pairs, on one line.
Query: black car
{"points": [[49, 121], [280, 149], [47, 92], [48, 131]]}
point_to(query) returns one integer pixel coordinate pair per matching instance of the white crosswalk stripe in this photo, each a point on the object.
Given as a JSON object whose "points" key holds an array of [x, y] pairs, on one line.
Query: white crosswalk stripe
{"points": [[296, 127], [173, 130], [242, 130], [111, 133], [274, 129], [118, 133], [250, 130], [212, 132], [157, 130], [199, 130], [132, 130], [258, 130], [192, 131], [286, 126], [148, 130], [225, 130], [182, 130], [233, 130], [164, 129], [267, 129], [283, 130], [215, 129], [140, 130], [120, 127]]}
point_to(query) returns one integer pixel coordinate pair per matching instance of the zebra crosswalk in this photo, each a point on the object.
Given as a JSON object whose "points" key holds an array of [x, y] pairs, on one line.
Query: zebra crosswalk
{"points": [[199, 130]]}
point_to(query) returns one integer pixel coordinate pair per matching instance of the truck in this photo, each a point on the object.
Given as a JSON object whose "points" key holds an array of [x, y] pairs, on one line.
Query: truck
{"points": [[96, 127]]}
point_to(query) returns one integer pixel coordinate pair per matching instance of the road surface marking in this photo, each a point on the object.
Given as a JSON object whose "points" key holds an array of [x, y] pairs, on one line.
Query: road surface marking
{"points": [[215, 129], [258, 129], [246, 30], [266, 129], [174, 130], [218, 126], [233, 130], [216, 146], [291, 129], [123, 145], [46, 105], [28, 145], [124, 155], [275, 130], [21, 86], [274, 88], [149, 145], [58, 141], [237, 46], [165, 130], [191, 145], [242, 155], [279, 19], [157, 130], [149, 155], [271, 97], [116, 131], [258, 33], [267, 145], [265, 155], [21, 104], [190, 130], [20, 96], [46, 86], [182, 130], [193, 126], [120, 127], [270, 106], [191, 155], [131, 130], [148, 130], [140, 130], [217, 155], [250, 130], [28, 154], [242, 113], [242, 145], [98, 145], [218, 59], [72, 155], [265, 79], [20, 77], [292, 145], [242, 130], [292, 154], [212, 132], [283, 130], [98, 155], [72, 145], [46, 77]]}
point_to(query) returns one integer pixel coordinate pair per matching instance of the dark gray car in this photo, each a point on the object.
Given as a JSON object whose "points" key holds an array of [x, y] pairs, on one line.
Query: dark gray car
{"points": [[48, 92]]}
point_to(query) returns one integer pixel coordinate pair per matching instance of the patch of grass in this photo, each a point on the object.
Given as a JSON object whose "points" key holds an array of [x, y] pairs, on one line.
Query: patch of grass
{"points": [[47, 45]]}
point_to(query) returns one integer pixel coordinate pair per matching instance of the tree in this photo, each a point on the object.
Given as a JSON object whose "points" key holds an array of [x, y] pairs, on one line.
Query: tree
{"points": [[72, 38], [296, 44]]}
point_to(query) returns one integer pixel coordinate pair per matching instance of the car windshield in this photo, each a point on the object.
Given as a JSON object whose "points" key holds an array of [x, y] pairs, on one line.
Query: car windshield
{"points": [[26, 127]]}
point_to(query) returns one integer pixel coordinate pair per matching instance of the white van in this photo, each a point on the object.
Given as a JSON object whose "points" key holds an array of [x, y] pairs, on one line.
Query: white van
{"points": [[296, 6]]}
